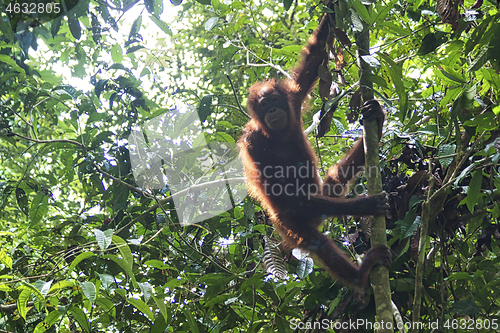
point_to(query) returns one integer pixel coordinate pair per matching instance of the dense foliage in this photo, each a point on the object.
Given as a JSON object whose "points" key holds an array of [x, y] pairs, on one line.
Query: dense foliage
{"points": [[91, 242]]}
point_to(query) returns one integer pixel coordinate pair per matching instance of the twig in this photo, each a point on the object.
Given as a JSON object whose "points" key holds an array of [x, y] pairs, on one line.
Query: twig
{"points": [[236, 97]]}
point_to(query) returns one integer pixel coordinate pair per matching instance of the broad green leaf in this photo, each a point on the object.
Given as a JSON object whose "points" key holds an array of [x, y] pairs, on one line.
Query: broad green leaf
{"points": [[142, 307], [162, 25], [211, 23], [6, 29], [191, 321], [124, 265], [479, 59], [445, 150], [116, 53], [146, 289], [160, 325], [305, 267], [60, 286], [362, 11], [356, 22], [474, 190], [39, 207], [89, 290], [124, 250], [160, 303], [22, 300], [80, 317], [134, 48], [22, 201], [80, 258], [371, 60], [205, 108], [174, 283], [107, 305], [451, 74], [106, 280], [5, 259], [47, 323], [396, 73], [74, 27], [103, 238], [8, 60], [136, 26], [44, 290], [156, 264], [431, 42], [25, 285]]}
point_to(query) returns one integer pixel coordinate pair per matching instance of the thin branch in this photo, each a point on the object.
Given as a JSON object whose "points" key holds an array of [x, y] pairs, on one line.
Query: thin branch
{"points": [[236, 97], [51, 141], [17, 114]]}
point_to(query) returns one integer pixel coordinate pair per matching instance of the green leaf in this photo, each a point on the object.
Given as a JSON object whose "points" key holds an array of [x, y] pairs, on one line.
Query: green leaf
{"points": [[5, 259], [47, 323], [89, 290], [451, 74], [80, 317], [191, 321], [150, 6], [22, 300], [80, 258], [474, 190], [205, 108], [136, 26], [372, 61], [6, 29], [56, 25], [445, 150], [211, 22], [34, 290], [124, 265], [74, 27], [479, 59], [107, 305], [124, 249], [160, 325], [60, 286], [44, 290], [106, 280], [142, 307], [9, 61], [362, 11], [134, 48], [305, 267], [431, 42], [396, 73], [162, 25], [146, 289], [287, 4], [116, 53], [156, 264], [356, 22], [22, 201], [103, 238], [160, 303], [377, 79], [39, 207]]}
